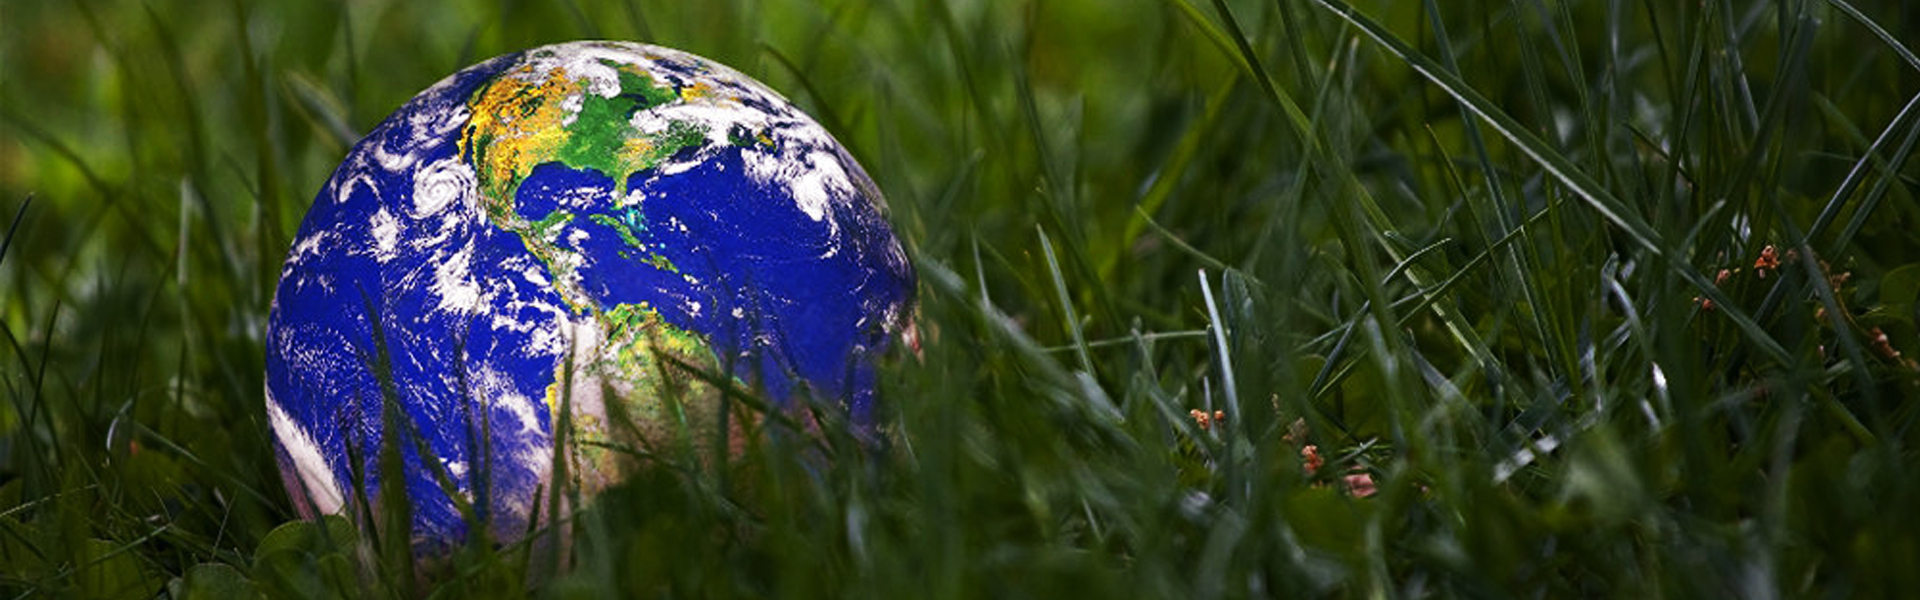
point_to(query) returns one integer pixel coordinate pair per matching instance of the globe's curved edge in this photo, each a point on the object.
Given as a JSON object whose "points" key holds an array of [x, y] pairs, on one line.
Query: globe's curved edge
{"points": [[440, 268]]}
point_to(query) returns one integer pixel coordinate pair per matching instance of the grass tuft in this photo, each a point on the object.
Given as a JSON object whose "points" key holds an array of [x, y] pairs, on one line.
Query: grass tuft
{"points": [[1530, 299]]}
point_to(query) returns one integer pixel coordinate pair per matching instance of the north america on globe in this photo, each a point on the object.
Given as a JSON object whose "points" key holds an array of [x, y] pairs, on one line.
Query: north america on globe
{"points": [[569, 235]]}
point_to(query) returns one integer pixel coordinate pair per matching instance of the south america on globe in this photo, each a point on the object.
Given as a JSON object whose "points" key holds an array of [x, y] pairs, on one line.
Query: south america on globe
{"points": [[527, 268]]}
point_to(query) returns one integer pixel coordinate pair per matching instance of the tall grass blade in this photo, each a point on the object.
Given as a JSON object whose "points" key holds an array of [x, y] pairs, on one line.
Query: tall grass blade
{"points": [[1588, 190]]}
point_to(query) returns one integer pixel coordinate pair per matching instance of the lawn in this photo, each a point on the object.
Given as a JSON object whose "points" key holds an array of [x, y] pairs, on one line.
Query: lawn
{"points": [[1218, 298]]}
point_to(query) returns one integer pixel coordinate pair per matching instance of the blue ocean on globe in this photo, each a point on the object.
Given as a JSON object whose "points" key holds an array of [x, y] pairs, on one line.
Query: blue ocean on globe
{"points": [[575, 230]]}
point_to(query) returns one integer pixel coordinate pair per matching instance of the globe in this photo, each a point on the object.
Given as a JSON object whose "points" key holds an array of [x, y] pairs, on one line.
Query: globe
{"points": [[551, 263]]}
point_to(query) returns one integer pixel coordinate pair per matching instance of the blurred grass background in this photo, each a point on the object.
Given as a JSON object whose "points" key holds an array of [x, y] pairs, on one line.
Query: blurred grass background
{"points": [[1508, 260]]}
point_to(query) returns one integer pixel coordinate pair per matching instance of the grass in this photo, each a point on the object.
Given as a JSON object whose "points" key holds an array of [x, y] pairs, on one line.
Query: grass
{"points": [[1509, 260]]}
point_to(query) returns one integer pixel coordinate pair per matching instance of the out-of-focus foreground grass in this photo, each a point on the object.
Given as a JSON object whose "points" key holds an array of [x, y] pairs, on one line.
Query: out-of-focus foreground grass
{"points": [[1478, 298]]}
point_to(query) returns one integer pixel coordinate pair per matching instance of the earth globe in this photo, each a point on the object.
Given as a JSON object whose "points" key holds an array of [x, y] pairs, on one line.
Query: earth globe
{"points": [[556, 254]]}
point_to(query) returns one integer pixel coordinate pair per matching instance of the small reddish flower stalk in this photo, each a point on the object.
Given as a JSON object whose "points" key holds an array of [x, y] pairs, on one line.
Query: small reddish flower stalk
{"points": [[1360, 485], [1206, 421], [1357, 483], [1883, 346], [1310, 458], [1769, 259]]}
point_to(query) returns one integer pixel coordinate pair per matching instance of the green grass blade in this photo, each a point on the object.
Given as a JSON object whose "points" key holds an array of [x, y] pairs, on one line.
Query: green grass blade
{"points": [[1589, 191]]}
